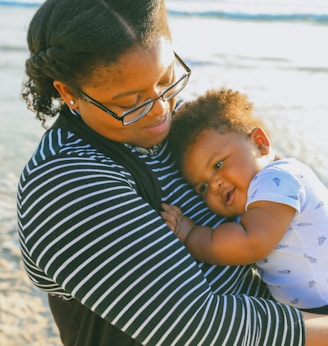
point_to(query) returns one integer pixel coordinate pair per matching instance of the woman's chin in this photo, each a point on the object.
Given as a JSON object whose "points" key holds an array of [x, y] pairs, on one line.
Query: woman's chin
{"points": [[156, 132]]}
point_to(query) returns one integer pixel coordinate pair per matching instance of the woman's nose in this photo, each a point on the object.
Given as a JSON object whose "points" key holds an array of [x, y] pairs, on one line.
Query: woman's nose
{"points": [[160, 105]]}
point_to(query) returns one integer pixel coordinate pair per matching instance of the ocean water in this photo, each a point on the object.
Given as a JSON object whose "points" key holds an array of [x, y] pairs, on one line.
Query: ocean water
{"points": [[275, 51], [272, 50]]}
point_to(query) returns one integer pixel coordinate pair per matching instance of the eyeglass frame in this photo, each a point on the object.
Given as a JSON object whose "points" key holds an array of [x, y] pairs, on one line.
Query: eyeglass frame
{"points": [[149, 102]]}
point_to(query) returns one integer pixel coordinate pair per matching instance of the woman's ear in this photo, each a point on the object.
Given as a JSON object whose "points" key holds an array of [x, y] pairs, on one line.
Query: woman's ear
{"points": [[66, 94], [261, 140]]}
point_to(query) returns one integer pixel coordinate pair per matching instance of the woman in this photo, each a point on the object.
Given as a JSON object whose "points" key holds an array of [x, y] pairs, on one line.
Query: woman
{"points": [[88, 199]]}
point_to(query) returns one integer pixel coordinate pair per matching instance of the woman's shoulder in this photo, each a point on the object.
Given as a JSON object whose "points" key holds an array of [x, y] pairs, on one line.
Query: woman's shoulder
{"points": [[58, 143], [62, 151]]}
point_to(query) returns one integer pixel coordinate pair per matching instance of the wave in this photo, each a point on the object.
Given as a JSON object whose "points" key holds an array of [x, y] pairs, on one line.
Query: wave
{"points": [[14, 47], [289, 10], [25, 3], [279, 10]]}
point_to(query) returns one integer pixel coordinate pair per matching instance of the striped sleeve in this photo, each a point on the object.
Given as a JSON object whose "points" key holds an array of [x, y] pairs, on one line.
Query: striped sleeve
{"points": [[87, 235]]}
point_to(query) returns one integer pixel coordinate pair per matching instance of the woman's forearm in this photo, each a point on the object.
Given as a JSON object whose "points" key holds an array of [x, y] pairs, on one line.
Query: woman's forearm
{"points": [[316, 329]]}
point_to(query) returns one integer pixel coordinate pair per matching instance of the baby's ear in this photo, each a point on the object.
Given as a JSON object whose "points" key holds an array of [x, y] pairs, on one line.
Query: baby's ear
{"points": [[261, 139]]}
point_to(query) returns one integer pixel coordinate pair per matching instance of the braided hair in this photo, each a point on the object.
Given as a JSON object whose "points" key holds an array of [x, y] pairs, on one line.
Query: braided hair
{"points": [[68, 39]]}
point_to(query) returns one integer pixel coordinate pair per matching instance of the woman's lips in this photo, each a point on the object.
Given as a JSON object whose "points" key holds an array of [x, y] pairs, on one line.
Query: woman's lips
{"points": [[158, 126]]}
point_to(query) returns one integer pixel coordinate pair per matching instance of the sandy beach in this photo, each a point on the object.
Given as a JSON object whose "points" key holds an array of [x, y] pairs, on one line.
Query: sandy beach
{"points": [[287, 85], [24, 316]]}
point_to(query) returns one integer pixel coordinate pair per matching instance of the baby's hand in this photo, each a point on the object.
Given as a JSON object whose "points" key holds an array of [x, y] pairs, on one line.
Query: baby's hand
{"points": [[172, 215], [179, 224]]}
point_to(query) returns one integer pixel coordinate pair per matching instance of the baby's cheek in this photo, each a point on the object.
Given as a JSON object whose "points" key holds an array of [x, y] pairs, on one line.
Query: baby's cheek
{"points": [[213, 202]]}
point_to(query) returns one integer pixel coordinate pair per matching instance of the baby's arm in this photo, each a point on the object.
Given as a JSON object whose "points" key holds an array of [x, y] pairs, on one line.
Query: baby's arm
{"points": [[181, 225], [259, 231]]}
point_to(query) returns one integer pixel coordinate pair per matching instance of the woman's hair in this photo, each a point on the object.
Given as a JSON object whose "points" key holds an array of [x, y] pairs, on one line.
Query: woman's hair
{"points": [[220, 109], [69, 39]]}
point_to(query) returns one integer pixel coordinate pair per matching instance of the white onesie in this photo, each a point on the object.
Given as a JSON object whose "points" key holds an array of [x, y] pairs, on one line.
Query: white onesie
{"points": [[296, 271]]}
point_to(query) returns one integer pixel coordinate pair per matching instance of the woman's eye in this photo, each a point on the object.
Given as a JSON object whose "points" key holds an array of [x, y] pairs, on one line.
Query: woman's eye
{"points": [[127, 103], [167, 81], [219, 164], [130, 105], [165, 85]]}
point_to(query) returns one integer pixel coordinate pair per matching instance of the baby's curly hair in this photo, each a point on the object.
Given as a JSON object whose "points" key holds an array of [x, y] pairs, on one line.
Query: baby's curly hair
{"points": [[222, 109]]}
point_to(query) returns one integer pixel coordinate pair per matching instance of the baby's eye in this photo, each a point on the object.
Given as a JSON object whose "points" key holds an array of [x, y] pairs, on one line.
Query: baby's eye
{"points": [[219, 164], [202, 189]]}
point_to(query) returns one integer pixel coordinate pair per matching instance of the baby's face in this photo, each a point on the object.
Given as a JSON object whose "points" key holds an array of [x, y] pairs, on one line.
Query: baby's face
{"points": [[220, 167]]}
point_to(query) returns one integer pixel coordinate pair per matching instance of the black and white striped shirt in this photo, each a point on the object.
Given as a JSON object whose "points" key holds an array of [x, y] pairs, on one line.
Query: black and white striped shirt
{"points": [[86, 234]]}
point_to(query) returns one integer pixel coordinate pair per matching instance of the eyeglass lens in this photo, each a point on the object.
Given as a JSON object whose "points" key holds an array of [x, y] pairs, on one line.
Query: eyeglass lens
{"points": [[168, 94]]}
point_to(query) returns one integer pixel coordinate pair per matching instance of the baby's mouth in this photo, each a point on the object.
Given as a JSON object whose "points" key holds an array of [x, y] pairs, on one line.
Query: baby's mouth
{"points": [[229, 197]]}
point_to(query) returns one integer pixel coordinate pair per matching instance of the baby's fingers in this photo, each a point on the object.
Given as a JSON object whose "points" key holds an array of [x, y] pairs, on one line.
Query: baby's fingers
{"points": [[172, 209], [169, 219]]}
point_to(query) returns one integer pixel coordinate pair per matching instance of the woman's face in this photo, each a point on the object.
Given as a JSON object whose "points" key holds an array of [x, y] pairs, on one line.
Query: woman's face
{"points": [[136, 77]]}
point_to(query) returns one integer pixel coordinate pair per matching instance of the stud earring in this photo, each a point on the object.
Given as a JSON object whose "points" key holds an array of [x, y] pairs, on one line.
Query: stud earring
{"points": [[72, 102]]}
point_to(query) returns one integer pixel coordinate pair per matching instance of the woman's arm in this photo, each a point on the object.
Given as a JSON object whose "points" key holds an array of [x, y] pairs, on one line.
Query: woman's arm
{"points": [[316, 329], [85, 231]]}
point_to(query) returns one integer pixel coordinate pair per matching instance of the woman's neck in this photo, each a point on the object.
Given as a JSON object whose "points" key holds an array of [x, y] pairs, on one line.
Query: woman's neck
{"points": [[154, 150]]}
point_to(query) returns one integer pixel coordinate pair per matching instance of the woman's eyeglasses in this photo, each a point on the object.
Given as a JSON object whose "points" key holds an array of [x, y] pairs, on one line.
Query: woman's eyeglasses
{"points": [[134, 114]]}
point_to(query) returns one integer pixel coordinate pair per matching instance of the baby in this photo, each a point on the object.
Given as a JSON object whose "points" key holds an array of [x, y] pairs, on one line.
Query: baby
{"points": [[225, 154]]}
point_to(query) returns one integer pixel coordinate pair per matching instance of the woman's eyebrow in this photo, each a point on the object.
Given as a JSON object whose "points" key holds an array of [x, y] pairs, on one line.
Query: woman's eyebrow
{"points": [[132, 92]]}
